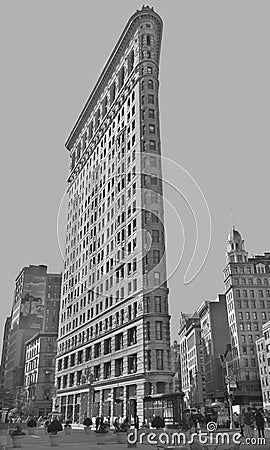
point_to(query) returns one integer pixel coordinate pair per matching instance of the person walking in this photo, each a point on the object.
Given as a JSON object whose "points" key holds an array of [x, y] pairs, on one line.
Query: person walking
{"points": [[248, 423], [137, 422], [259, 419]]}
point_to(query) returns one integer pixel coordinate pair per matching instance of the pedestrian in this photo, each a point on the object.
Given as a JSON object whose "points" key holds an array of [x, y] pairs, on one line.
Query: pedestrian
{"points": [[126, 422], [259, 419], [97, 422], [116, 424], [248, 423], [241, 422], [137, 423]]}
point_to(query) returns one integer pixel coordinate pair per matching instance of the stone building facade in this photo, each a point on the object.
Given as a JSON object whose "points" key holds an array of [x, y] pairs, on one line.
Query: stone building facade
{"points": [[247, 284], [114, 353], [216, 339], [39, 373], [263, 354], [192, 362], [35, 308]]}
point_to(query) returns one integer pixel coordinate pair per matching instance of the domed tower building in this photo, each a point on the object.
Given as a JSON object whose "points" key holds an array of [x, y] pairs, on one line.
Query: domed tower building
{"points": [[236, 251], [247, 290]]}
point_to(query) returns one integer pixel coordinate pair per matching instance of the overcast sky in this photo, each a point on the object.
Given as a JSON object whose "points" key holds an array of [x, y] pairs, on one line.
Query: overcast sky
{"points": [[214, 101]]}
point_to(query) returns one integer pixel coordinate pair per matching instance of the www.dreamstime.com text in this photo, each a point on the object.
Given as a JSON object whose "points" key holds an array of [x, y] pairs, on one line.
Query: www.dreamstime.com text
{"points": [[174, 438]]}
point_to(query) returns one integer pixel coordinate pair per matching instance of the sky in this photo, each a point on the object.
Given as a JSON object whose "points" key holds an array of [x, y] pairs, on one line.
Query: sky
{"points": [[214, 112]]}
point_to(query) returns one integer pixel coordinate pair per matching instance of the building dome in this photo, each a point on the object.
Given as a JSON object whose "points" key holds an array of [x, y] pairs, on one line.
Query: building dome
{"points": [[234, 235]]}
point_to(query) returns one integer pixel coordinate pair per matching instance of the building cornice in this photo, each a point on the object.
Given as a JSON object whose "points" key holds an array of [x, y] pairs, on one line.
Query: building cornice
{"points": [[104, 78]]}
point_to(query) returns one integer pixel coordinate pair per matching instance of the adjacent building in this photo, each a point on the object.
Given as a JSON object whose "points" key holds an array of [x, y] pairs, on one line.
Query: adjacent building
{"points": [[263, 354], [247, 284], [5, 396], [114, 353], [39, 373], [5, 344], [192, 362], [176, 367], [216, 339], [35, 308]]}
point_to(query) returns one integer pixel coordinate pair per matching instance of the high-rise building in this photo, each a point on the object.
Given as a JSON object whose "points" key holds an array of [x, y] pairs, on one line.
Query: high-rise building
{"points": [[114, 355], [247, 284], [263, 354], [215, 339], [35, 308], [192, 362]]}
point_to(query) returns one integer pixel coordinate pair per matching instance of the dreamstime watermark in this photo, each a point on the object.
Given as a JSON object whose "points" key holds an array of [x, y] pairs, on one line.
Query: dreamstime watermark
{"points": [[209, 437]]}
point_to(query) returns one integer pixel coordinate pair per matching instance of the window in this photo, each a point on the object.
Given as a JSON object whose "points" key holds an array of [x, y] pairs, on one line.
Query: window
{"points": [[148, 331], [158, 330], [155, 236], [107, 346], [132, 363], [97, 350], [159, 359], [107, 370], [149, 70], [156, 278], [119, 367], [150, 84], [148, 360], [152, 145], [80, 357], [97, 372], [152, 129], [88, 354], [119, 339], [150, 98], [151, 113], [156, 256], [132, 336], [158, 304]]}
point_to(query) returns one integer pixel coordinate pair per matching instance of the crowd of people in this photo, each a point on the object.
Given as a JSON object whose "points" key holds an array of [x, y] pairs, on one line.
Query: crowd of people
{"points": [[249, 420]]}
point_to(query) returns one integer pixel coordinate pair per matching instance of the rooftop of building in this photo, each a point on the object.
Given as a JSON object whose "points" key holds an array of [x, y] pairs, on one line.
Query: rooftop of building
{"points": [[99, 86]]}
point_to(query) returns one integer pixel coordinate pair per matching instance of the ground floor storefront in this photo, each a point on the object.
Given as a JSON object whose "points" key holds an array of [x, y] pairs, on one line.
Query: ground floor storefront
{"points": [[127, 401]]}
